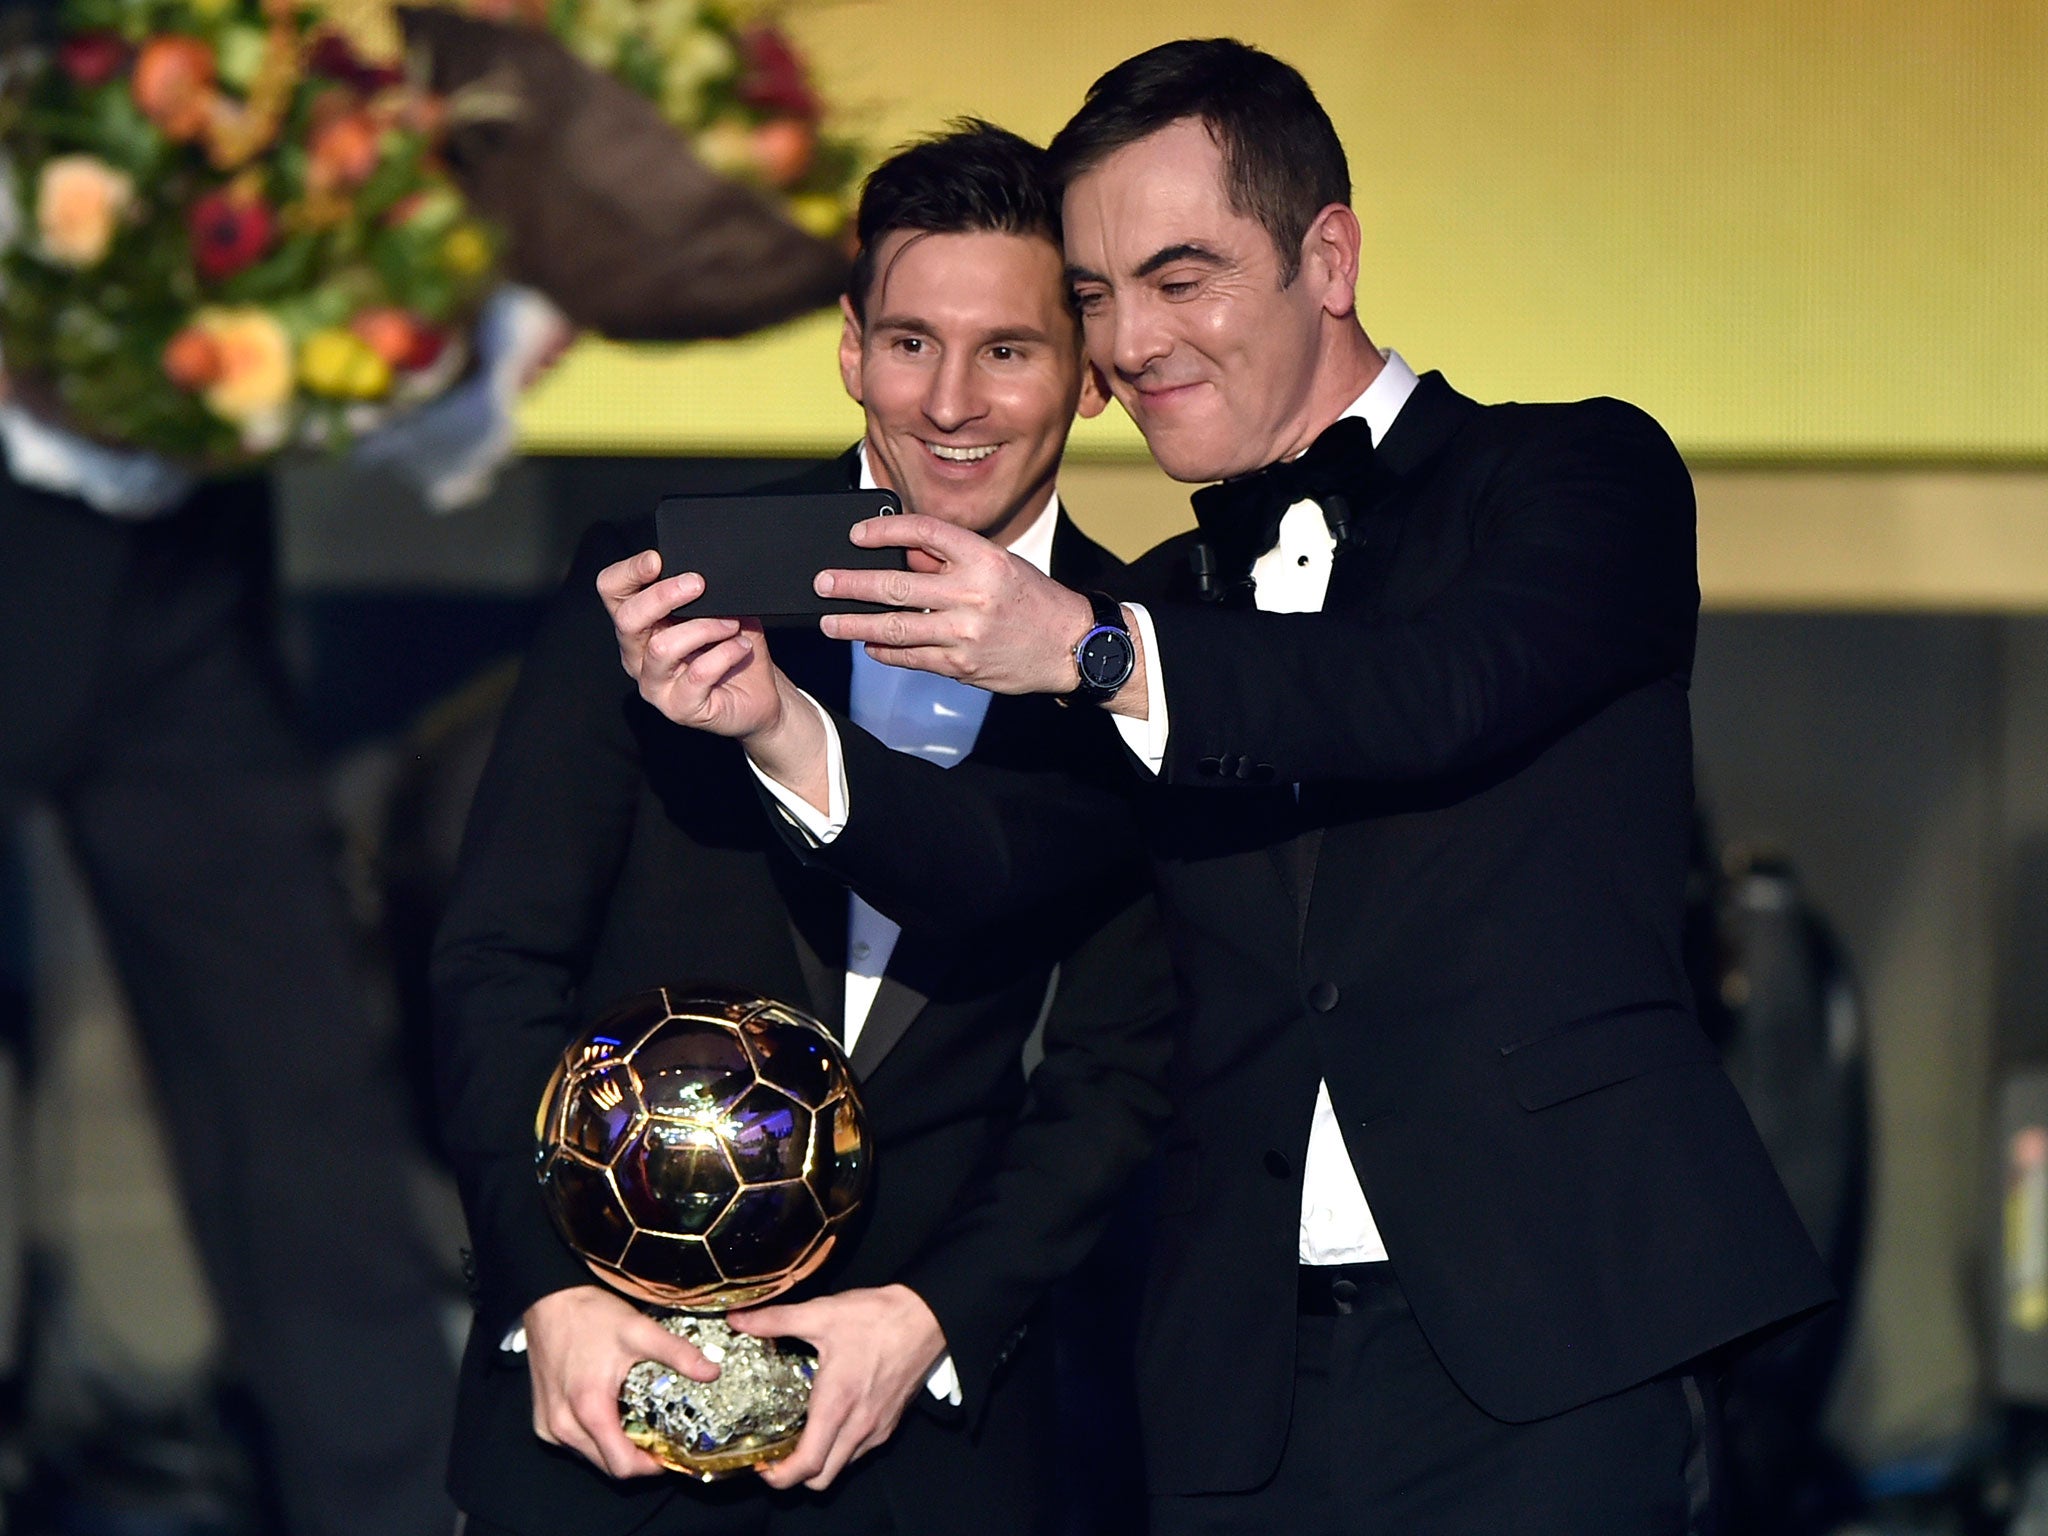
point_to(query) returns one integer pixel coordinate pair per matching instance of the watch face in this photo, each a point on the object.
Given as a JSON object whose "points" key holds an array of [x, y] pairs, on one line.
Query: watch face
{"points": [[1105, 658]]}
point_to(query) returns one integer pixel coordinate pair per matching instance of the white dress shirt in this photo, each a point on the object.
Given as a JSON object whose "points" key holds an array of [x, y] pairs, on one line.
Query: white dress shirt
{"points": [[1292, 577]]}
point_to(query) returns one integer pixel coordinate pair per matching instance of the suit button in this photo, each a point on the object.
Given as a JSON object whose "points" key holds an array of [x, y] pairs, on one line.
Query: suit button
{"points": [[1277, 1165], [1345, 1294], [1209, 767], [1245, 768], [1263, 773], [1323, 996]]}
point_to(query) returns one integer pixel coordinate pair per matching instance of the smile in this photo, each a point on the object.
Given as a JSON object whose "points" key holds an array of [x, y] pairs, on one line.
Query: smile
{"points": [[962, 455]]}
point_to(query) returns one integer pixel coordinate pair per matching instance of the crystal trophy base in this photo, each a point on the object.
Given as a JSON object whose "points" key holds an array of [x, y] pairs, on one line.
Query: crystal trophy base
{"points": [[753, 1412]]}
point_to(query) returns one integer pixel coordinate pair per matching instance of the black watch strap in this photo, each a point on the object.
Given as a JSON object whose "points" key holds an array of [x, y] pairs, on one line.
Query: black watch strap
{"points": [[1105, 656]]}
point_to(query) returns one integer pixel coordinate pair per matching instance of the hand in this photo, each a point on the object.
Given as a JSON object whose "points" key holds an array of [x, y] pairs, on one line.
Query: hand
{"points": [[875, 1348], [580, 1343], [713, 674], [709, 674], [990, 618]]}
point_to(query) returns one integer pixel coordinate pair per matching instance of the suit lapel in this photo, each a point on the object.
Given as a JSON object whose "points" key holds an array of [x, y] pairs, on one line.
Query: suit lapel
{"points": [[1427, 423], [898, 1002]]}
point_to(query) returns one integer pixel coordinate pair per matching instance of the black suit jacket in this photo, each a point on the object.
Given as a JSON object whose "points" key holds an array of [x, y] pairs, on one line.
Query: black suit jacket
{"points": [[609, 851], [1468, 923]]}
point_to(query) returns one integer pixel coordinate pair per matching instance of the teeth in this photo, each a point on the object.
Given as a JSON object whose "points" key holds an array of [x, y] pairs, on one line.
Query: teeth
{"points": [[961, 455]]}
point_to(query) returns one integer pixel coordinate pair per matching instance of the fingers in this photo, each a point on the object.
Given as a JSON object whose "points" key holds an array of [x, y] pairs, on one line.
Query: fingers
{"points": [[900, 631], [621, 579], [913, 530], [892, 589], [586, 1421], [649, 607], [819, 1455], [651, 1341], [785, 1322], [700, 654]]}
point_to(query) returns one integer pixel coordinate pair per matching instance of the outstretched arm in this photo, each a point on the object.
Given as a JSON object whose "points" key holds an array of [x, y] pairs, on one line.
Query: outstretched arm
{"points": [[1581, 587]]}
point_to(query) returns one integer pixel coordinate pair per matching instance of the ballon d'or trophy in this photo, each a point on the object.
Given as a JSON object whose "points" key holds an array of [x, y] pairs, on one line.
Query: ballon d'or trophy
{"points": [[702, 1149]]}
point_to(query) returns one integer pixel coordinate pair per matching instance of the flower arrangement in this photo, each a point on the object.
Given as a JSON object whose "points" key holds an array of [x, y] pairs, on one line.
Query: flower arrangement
{"points": [[235, 231], [731, 81]]}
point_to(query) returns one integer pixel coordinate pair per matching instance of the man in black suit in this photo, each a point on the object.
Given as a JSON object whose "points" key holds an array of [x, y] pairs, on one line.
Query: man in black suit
{"points": [[609, 851], [1458, 1204]]}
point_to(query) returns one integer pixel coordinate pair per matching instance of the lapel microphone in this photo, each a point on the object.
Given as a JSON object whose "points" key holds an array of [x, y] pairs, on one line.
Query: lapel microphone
{"points": [[1337, 518]]}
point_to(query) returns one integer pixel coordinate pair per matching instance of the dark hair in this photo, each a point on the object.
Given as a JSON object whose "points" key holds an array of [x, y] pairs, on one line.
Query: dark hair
{"points": [[1282, 162], [974, 177]]}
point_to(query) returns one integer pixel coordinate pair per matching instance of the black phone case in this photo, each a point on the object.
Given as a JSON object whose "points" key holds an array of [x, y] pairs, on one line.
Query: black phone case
{"points": [[758, 555]]}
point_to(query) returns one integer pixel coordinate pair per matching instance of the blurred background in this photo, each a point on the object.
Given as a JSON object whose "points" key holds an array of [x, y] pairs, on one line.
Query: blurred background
{"points": [[1807, 235]]}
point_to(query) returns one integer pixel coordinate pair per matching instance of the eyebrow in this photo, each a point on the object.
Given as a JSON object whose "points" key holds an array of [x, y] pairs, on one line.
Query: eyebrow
{"points": [[1187, 250]]}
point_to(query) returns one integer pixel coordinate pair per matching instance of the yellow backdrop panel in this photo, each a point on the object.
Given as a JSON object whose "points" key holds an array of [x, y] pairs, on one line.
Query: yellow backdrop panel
{"points": [[1789, 228]]}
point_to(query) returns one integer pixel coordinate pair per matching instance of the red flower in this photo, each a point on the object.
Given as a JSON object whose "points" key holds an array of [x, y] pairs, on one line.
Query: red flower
{"points": [[332, 57], [403, 340], [231, 231], [775, 80], [92, 58]]}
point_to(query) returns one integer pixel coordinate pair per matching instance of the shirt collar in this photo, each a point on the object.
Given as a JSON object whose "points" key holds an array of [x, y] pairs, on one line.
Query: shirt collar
{"points": [[1034, 543], [1384, 396]]}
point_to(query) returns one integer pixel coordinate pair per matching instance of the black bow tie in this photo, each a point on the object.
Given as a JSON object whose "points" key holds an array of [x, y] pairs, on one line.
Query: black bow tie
{"points": [[1240, 519]]}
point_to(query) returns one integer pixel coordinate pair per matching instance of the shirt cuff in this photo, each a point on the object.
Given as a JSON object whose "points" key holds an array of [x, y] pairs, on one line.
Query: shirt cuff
{"points": [[1147, 737], [805, 817], [944, 1382], [514, 1343]]}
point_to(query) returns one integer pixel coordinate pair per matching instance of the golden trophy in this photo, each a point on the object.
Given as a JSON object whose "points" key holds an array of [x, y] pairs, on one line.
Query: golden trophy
{"points": [[702, 1149]]}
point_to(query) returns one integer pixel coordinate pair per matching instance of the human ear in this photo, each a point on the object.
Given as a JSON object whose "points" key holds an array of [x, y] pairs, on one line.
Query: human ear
{"points": [[1094, 392], [850, 350], [1331, 250]]}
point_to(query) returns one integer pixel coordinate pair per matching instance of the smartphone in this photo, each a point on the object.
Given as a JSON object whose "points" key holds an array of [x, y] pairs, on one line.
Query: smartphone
{"points": [[758, 555]]}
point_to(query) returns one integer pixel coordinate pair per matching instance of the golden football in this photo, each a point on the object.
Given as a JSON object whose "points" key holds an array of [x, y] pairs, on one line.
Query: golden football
{"points": [[702, 1148]]}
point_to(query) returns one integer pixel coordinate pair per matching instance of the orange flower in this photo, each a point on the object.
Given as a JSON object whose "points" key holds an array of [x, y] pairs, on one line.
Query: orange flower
{"points": [[80, 202], [783, 149], [173, 85], [401, 338], [343, 153], [192, 358], [255, 363]]}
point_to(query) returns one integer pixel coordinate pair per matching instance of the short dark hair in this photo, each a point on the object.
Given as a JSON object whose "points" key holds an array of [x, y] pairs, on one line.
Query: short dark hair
{"points": [[972, 178], [1282, 162]]}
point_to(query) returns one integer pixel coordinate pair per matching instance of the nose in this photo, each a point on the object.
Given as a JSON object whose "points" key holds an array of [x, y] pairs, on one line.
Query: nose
{"points": [[956, 396], [1138, 340]]}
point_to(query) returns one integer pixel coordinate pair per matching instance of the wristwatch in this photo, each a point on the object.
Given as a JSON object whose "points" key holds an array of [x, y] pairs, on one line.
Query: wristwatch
{"points": [[1105, 657]]}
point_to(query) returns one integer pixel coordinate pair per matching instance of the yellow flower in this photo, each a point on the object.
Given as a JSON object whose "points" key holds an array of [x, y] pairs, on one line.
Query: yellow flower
{"points": [[465, 251], [818, 214], [255, 358], [340, 364], [80, 201]]}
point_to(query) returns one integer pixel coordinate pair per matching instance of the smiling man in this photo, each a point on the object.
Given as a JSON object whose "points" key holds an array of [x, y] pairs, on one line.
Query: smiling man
{"points": [[1458, 1210], [609, 851]]}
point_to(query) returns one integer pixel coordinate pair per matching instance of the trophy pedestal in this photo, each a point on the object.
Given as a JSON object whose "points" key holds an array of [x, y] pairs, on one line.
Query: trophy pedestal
{"points": [[753, 1413]]}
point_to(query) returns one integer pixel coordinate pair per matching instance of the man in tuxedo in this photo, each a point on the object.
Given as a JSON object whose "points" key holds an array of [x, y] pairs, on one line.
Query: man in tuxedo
{"points": [[609, 851], [1458, 1206]]}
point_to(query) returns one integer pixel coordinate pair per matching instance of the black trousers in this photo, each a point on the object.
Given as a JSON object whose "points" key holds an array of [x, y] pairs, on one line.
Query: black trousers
{"points": [[742, 1506], [137, 697], [1382, 1443]]}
